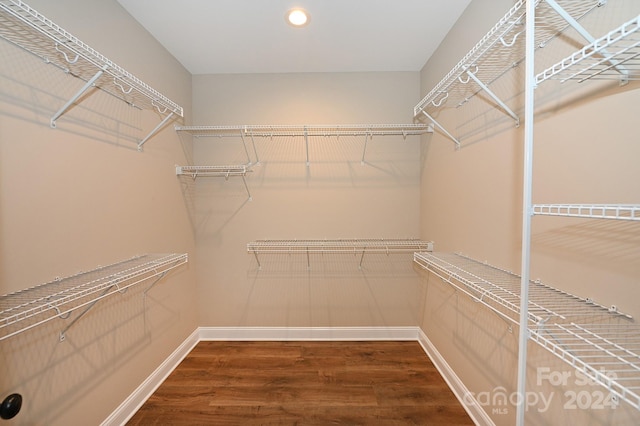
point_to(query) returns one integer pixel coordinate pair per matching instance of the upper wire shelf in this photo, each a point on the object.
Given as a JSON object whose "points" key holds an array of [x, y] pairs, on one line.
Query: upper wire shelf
{"points": [[591, 211], [500, 290], [25, 27], [498, 52], [272, 130], [339, 246], [370, 245], [615, 55], [25, 309], [305, 131], [215, 171]]}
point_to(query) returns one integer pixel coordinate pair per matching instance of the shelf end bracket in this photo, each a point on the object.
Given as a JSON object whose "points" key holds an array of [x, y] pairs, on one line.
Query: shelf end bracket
{"points": [[75, 97], [155, 130], [457, 142]]}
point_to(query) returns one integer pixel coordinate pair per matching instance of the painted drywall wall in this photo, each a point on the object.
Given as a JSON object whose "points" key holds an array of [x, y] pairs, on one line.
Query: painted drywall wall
{"points": [[585, 152], [80, 196], [334, 197]]}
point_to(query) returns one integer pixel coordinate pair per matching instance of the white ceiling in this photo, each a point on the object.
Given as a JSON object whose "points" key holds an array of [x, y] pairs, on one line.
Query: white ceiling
{"points": [[251, 36]]}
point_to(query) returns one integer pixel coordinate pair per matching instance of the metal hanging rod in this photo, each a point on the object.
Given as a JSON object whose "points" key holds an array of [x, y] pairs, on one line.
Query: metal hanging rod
{"points": [[591, 211], [500, 50], [25, 27], [217, 171], [499, 290], [29, 308], [339, 246]]}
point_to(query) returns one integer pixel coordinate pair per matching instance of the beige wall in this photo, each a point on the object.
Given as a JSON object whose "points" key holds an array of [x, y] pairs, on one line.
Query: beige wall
{"points": [[471, 202], [80, 196], [334, 197]]}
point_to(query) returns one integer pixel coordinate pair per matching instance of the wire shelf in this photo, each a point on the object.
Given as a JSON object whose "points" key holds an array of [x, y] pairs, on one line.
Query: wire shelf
{"points": [[496, 54], [340, 246], [215, 171], [500, 50], [28, 29], [591, 211], [615, 55], [608, 354], [499, 290], [327, 130], [25, 309], [226, 172]]}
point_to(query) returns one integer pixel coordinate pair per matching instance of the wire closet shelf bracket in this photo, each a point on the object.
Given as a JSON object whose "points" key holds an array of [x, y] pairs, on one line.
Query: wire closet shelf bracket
{"points": [[28, 29]]}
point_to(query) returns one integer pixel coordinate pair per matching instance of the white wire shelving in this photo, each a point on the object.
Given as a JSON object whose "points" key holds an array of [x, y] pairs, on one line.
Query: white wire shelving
{"points": [[305, 131], [614, 55], [499, 290], [608, 354], [31, 307], [226, 172], [25, 27], [601, 342], [520, 34], [339, 246], [497, 53], [590, 211]]}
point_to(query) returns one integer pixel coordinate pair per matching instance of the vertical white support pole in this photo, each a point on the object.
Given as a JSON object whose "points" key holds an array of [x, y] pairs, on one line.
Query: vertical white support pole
{"points": [[526, 211]]}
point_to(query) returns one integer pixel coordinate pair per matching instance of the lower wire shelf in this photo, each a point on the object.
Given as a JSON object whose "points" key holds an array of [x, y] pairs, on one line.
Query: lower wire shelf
{"points": [[608, 354], [31, 307], [600, 342]]}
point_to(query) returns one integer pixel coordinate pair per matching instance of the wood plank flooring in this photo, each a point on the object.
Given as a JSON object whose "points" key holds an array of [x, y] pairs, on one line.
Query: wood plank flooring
{"points": [[306, 383]]}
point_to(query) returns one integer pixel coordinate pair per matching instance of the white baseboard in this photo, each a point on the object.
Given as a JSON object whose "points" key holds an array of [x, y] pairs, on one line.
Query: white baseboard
{"points": [[128, 408], [473, 408], [309, 333]]}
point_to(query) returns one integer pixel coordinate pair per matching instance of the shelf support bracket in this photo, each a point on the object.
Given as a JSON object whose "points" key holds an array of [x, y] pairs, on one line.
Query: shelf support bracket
{"points": [[81, 314], [494, 97], [255, 254], [75, 97], [306, 142], [255, 152], [457, 142], [155, 130], [587, 36], [244, 145], [364, 150]]}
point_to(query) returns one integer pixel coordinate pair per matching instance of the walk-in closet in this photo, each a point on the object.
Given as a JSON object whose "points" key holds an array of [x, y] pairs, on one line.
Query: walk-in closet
{"points": [[177, 198]]}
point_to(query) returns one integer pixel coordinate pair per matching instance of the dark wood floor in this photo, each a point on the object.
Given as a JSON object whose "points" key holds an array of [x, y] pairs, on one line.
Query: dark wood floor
{"points": [[307, 383]]}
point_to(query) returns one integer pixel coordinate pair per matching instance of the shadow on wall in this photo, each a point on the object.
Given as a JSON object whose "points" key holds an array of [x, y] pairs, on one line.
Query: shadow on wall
{"points": [[51, 375], [326, 290], [607, 243]]}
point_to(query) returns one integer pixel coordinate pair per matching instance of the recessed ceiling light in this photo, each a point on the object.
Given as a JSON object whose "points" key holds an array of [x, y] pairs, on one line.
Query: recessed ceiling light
{"points": [[297, 17]]}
